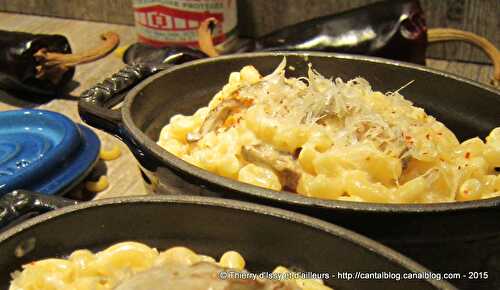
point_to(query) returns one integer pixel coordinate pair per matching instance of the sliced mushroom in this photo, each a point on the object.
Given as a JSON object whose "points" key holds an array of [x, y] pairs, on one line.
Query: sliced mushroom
{"points": [[200, 276], [215, 118], [282, 162]]}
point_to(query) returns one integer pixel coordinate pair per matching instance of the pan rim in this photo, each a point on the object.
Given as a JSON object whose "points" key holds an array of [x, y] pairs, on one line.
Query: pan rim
{"points": [[347, 235], [287, 197]]}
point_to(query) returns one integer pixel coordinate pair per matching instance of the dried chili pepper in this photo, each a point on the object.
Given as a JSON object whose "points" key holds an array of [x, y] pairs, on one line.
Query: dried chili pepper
{"points": [[390, 29], [39, 64]]}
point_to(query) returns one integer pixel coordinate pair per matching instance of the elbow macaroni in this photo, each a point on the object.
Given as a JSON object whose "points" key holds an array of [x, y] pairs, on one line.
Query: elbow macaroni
{"points": [[350, 143], [84, 270]]}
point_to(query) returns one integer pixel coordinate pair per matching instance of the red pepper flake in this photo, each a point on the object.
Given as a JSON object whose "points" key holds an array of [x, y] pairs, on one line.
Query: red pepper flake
{"points": [[439, 133], [247, 102], [467, 155], [466, 192], [428, 136]]}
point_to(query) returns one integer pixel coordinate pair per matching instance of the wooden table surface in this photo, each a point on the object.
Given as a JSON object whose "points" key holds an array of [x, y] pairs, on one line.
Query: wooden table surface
{"points": [[123, 173]]}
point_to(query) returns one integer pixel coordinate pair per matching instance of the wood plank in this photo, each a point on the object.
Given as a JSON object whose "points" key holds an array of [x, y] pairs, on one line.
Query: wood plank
{"points": [[476, 72], [110, 11], [123, 173]]}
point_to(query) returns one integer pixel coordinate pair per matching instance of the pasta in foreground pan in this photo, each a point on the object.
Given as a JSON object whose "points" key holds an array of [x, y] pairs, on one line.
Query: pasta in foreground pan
{"points": [[331, 139], [135, 266]]}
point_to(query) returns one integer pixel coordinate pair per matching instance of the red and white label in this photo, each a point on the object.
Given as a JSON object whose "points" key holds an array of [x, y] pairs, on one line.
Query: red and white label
{"points": [[167, 22]]}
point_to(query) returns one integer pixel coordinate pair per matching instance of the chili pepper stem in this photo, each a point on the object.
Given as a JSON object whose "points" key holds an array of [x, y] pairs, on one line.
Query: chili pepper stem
{"points": [[205, 41], [449, 34], [53, 65]]}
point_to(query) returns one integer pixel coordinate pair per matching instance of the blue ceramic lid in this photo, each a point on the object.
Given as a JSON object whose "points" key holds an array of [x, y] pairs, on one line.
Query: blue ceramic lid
{"points": [[43, 151]]}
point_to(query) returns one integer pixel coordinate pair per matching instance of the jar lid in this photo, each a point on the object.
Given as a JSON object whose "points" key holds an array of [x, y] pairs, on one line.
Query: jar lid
{"points": [[44, 151]]}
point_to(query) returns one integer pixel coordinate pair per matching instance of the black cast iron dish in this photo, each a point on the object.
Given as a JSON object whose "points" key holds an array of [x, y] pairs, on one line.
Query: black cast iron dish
{"points": [[265, 236], [452, 237]]}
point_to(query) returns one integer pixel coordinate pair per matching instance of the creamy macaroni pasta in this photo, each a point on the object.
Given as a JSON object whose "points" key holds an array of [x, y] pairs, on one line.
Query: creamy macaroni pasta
{"points": [[331, 139], [132, 265]]}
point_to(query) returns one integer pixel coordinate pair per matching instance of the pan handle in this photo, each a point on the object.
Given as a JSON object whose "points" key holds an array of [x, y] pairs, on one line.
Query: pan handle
{"points": [[17, 203], [95, 103]]}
